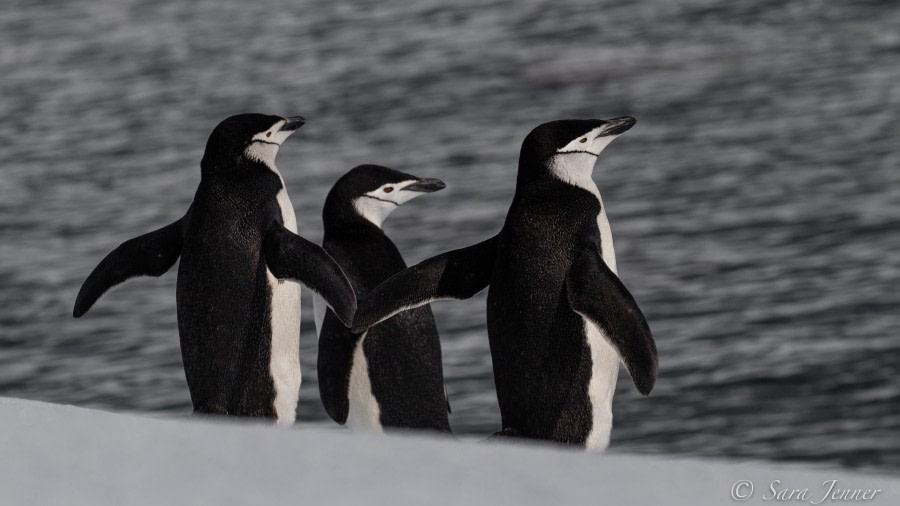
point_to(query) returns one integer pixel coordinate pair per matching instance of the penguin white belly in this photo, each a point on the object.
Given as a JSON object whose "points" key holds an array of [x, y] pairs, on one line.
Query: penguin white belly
{"points": [[606, 240], [364, 412], [284, 361], [602, 387], [604, 359]]}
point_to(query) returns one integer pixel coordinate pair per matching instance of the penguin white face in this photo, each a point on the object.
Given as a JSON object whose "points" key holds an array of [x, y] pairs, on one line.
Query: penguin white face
{"points": [[369, 193], [246, 137], [378, 204], [574, 162], [264, 145]]}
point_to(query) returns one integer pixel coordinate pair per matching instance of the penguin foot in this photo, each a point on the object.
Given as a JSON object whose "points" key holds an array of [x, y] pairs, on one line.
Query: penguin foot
{"points": [[507, 432]]}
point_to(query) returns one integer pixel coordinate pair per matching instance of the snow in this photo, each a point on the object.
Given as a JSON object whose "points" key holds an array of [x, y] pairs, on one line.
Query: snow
{"points": [[52, 454]]}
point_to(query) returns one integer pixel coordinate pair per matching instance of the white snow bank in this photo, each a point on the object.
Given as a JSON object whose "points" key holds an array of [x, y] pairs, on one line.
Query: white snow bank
{"points": [[64, 455]]}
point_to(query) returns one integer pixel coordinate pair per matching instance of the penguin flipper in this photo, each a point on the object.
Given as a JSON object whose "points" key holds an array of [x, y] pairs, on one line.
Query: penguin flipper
{"points": [[151, 254], [596, 293], [334, 367], [290, 256], [457, 274]]}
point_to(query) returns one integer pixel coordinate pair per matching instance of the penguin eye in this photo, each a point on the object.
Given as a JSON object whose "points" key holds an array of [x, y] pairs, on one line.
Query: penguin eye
{"points": [[268, 134], [583, 140], [388, 189]]}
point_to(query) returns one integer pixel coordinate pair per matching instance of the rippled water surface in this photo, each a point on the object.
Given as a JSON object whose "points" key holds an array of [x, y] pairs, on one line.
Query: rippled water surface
{"points": [[755, 206]]}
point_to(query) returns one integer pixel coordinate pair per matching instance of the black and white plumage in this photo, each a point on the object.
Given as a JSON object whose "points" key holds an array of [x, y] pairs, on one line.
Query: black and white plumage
{"points": [[559, 320], [391, 375], [238, 290]]}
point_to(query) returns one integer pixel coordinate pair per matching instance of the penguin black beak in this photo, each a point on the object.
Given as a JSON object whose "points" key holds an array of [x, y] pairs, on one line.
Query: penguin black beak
{"points": [[426, 186], [617, 126], [292, 123]]}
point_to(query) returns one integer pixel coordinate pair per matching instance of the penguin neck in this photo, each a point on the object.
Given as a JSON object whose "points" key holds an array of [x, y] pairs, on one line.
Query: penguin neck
{"points": [[345, 219], [570, 169], [236, 165], [575, 169]]}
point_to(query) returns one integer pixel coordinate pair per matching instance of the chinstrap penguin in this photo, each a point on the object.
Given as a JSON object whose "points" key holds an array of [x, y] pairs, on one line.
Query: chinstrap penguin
{"points": [[391, 375], [559, 319], [238, 291]]}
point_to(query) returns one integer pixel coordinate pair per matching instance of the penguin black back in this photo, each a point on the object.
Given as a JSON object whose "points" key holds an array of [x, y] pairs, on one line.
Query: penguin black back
{"points": [[238, 289], [559, 319], [390, 376]]}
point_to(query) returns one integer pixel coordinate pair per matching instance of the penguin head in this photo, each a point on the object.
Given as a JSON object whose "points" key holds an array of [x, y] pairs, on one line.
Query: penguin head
{"points": [[372, 192], [247, 138], [567, 149]]}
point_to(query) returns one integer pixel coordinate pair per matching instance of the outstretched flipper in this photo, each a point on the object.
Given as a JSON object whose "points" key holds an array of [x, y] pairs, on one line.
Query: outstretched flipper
{"points": [[457, 274], [148, 255], [596, 293], [290, 256]]}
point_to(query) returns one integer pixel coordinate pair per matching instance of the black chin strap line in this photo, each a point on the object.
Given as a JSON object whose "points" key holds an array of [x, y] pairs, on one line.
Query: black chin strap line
{"points": [[576, 151], [383, 200], [266, 142]]}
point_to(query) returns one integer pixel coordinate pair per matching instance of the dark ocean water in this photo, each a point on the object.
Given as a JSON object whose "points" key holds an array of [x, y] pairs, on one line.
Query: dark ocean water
{"points": [[755, 206]]}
